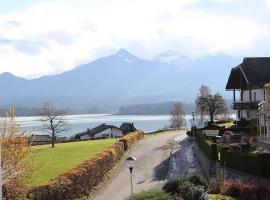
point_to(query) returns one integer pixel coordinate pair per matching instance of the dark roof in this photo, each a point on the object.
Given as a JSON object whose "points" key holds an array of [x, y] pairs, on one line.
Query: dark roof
{"points": [[95, 130], [253, 72], [40, 138], [128, 127]]}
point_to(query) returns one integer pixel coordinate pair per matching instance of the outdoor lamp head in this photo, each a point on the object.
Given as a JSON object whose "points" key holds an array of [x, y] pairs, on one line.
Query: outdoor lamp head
{"points": [[130, 161]]}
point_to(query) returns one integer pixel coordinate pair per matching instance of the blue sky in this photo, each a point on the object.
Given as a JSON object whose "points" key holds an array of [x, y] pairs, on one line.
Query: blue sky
{"points": [[48, 37]]}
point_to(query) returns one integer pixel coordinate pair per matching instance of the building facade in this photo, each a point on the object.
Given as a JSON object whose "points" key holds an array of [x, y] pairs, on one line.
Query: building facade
{"points": [[101, 131], [250, 83]]}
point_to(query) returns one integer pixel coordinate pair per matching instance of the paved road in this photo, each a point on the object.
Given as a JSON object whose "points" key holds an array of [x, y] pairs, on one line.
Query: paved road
{"points": [[184, 162], [150, 169]]}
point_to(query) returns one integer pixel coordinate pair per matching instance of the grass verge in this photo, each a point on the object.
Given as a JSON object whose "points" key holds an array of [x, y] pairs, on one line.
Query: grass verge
{"points": [[49, 162]]}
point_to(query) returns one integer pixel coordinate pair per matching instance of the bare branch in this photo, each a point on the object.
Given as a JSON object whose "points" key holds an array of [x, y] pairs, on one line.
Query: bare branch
{"points": [[53, 121]]}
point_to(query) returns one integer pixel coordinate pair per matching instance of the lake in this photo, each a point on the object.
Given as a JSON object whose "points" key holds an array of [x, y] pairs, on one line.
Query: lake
{"points": [[80, 123]]}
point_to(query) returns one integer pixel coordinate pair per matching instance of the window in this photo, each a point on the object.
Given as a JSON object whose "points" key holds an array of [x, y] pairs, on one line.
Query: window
{"points": [[248, 114], [254, 96], [264, 95]]}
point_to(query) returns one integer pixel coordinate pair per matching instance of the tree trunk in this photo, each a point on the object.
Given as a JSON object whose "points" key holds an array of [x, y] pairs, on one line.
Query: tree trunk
{"points": [[53, 138], [211, 119]]}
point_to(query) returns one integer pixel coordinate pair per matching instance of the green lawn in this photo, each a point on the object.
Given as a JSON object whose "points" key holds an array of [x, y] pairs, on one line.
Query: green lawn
{"points": [[50, 162], [227, 125]]}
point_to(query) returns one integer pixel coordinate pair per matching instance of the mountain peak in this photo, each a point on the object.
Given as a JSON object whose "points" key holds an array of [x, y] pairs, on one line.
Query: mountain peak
{"points": [[7, 75], [124, 53]]}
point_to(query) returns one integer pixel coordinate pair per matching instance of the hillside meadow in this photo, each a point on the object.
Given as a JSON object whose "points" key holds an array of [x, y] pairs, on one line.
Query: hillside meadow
{"points": [[49, 162]]}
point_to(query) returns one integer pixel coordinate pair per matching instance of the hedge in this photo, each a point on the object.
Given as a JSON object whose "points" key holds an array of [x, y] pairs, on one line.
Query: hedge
{"points": [[131, 138], [247, 129], [254, 163], [208, 147], [80, 181]]}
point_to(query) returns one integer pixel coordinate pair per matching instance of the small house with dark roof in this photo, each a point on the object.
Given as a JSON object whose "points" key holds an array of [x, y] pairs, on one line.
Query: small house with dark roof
{"points": [[127, 128], [251, 79], [101, 131], [39, 139]]}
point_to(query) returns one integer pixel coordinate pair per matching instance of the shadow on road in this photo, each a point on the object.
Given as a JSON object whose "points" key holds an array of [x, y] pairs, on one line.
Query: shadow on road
{"points": [[161, 170]]}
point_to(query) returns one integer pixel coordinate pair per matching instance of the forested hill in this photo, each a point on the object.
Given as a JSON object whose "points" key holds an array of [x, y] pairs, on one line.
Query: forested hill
{"points": [[163, 108]]}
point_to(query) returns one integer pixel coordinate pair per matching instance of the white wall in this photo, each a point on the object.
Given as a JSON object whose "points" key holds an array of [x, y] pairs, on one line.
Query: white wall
{"points": [[85, 137], [259, 95], [108, 132]]}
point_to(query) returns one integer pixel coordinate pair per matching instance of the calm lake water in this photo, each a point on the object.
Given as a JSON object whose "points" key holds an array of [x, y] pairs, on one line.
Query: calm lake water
{"points": [[80, 123]]}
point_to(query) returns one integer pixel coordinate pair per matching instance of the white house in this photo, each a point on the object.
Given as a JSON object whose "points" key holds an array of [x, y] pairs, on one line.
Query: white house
{"points": [[101, 131], [252, 80]]}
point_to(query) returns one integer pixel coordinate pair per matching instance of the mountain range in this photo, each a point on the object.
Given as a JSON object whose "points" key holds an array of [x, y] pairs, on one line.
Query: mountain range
{"points": [[121, 79]]}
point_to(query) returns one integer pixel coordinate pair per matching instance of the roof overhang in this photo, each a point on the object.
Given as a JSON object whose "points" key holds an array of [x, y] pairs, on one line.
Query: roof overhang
{"points": [[237, 79]]}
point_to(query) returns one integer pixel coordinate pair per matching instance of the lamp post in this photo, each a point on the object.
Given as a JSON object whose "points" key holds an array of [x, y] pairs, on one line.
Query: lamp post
{"points": [[130, 161], [193, 118]]}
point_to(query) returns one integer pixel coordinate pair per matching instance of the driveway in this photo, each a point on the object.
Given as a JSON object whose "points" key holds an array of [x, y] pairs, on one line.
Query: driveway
{"points": [[151, 168]]}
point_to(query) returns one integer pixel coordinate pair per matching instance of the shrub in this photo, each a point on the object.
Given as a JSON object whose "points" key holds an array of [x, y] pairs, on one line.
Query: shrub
{"points": [[220, 197], [190, 191], [198, 180], [131, 138], [187, 188], [214, 186], [242, 190], [150, 195], [15, 163], [171, 186], [208, 147], [256, 164]]}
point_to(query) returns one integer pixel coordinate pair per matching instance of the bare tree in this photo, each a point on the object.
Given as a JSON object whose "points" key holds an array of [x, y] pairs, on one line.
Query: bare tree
{"points": [[178, 116], [201, 108], [213, 105], [54, 121]]}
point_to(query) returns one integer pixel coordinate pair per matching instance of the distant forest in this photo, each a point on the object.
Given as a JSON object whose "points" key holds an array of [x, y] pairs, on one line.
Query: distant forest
{"points": [[20, 111], [162, 108]]}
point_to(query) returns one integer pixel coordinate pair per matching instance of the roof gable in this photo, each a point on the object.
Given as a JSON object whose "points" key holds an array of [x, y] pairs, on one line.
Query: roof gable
{"points": [[253, 72]]}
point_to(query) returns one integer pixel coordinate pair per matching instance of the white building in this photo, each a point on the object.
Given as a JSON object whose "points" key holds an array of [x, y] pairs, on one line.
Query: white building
{"points": [[101, 131], [251, 80]]}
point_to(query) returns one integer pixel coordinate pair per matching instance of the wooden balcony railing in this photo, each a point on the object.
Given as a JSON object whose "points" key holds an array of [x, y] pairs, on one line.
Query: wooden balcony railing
{"points": [[250, 105]]}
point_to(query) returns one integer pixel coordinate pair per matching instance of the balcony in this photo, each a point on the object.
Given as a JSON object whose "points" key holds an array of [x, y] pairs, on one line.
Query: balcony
{"points": [[249, 105]]}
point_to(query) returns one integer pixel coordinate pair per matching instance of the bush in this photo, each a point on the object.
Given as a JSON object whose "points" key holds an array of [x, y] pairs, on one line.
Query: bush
{"points": [[247, 129], [208, 147], [171, 186], [178, 187], [189, 133], [214, 186], [131, 138], [198, 180], [220, 197], [150, 195], [242, 190], [190, 191], [257, 164], [81, 180]]}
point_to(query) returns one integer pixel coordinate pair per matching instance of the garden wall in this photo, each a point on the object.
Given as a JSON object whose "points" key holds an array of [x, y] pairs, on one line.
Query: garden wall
{"points": [[80, 181]]}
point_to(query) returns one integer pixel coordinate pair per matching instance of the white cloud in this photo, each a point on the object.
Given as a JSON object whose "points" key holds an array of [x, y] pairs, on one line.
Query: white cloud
{"points": [[51, 37]]}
